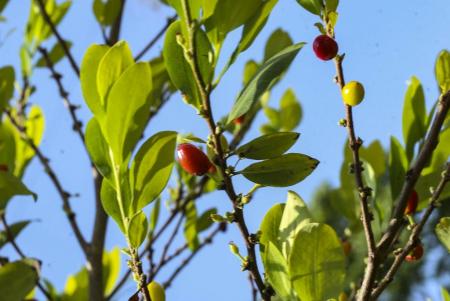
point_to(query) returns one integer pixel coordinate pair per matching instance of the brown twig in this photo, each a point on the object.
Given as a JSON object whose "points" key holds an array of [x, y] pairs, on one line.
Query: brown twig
{"points": [[155, 38], [205, 90], [414, 237], [58, 36], [64, 195], [19, 251]]}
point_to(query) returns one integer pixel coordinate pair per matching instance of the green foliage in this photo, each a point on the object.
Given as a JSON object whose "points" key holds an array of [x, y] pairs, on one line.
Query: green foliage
{"points": [[137, 229], [263, 79], [190, 226], [278, 41], [287, 117], [152, 167], [10, 186], [7, 77], [443, 232], [106, 12], [14, 230], [17, 279], [414, 116], [445, 295], [268, 146], [442, 70], [111, 269], [313, 6], [178, 67], [282, 171], [398, 164], [317, 263]]}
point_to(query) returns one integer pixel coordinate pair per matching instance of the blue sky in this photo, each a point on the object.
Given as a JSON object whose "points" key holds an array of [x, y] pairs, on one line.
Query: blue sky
{"points": [[386, 42]]}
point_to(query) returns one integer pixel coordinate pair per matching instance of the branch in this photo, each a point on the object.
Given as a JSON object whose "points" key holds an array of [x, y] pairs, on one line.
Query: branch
{"points": [[61, 41], [155, 38], [414, 237], [364, 192], [64, 195], [205, 91], [19, 251]]}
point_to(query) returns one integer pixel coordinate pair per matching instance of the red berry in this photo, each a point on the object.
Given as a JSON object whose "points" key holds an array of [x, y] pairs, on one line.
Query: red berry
{"points": [[239, 120], [192, 159], [416, 254], [325, 47], [413, 200], [4, 167]]}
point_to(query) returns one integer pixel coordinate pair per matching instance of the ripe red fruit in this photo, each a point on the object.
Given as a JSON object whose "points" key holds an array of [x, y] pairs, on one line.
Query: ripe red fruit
{"points": [[239, 120], [192, 159], [4, 167], [325, 47], [413, 200], [416, 254]]}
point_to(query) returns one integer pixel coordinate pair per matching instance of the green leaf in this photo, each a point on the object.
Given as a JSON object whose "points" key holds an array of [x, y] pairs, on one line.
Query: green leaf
{"points": [[442, 70], [290, 111], [190, 226], [111, 269], [56, 54], [278, 40], [269, 71], [398, 164], [331, 5], [88, 78], [374, 154], [109, 201], [77, 286], [3, 4], [154, 215], [106, 12], [17, 279], [414, 116], [11, 186], [229, 15], [152, 168], [282, 171], [440, 154], [295, 216], [268, 146], [111, 66], [98, 149], [179, 70], [270, 229], [14, 229], [277, 271], [313, 6], [127, 110], [205, 221], [443, 232], [8, 145], [317, 263], [137, 229], [445, 295], [250, 68], [7, 78]]}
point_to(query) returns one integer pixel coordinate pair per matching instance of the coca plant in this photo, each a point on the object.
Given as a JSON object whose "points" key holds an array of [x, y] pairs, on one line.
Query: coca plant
{"points": [[348, 243]]}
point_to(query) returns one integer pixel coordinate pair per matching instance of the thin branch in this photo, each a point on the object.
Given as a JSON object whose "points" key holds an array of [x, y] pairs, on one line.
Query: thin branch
{"points": [[58, 36], [254, 289], [205, 90], [19, 251], [64, 195], [155, 39], [414, 237]]}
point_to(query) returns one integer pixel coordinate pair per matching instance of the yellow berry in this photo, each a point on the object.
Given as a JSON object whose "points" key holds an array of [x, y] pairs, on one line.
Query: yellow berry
{"points": [[156, 291], [353, 93]]}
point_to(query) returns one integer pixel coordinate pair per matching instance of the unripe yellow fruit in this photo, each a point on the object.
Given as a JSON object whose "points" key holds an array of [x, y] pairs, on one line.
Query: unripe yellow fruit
{"points": [[353, 93], [156, 291]]}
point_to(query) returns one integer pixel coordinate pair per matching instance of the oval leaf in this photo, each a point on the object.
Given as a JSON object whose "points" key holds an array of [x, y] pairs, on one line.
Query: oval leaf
{"points": [[17, 279], [443, 232], [268, 146], [282, 171], [137, 229], [316, 263], [269, 71]]}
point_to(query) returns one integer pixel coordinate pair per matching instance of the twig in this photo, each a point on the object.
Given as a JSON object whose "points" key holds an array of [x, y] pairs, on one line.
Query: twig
{"points": [[414, 237], [58, 36], [205, 90], [155, 38], [19, 251], [64, 195], [254, 290]]}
